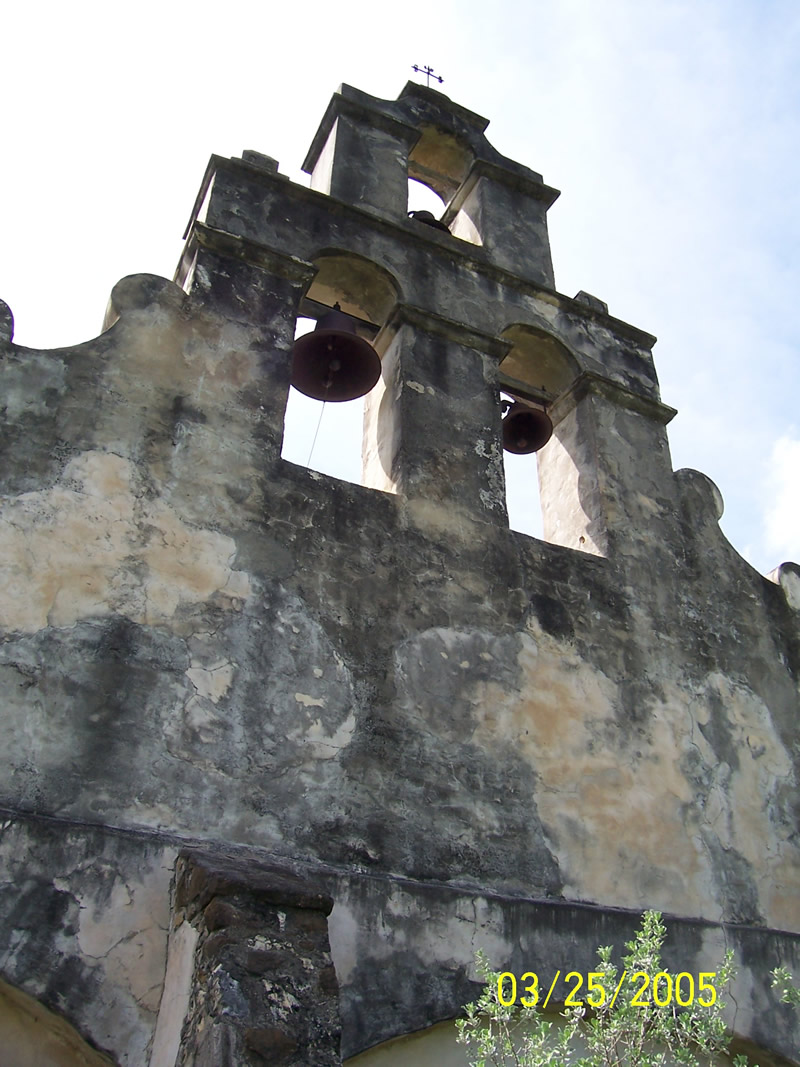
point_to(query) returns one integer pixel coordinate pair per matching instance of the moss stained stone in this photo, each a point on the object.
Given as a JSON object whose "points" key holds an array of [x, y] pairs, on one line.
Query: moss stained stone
{"points": [[375, 697]]}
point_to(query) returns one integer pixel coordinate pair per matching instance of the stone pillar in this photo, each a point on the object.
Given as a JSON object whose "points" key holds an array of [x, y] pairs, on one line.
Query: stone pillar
{"points": [[258, 978], [506, 212], [432, 424], [256, 292], [360, 154], [606, 476]]}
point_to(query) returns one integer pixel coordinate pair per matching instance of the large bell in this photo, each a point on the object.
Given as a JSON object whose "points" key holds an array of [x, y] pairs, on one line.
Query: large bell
{"points": [[333, 362], [526, 428]]}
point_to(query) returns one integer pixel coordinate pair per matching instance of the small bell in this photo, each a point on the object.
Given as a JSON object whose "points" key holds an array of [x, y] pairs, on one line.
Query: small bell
{"points": [[526, 428], [429, 219], [333, 363]]}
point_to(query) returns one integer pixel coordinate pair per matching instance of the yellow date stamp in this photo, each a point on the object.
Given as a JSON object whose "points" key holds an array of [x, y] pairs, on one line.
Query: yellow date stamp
{"points": [[645, 990]]}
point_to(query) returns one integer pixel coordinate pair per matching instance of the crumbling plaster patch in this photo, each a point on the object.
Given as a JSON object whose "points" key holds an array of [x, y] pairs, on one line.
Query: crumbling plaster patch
{"points": [[127, 933], [211, 682], [94, 544], [617, 819], [93, 908], [613, 790]]}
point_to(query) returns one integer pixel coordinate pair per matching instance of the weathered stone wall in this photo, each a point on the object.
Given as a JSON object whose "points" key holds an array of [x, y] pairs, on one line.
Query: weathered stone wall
{"points": [[450, 726]]}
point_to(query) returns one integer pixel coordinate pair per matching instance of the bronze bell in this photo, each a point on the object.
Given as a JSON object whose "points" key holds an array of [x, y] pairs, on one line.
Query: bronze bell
{"points": [[429, 219], [526, 428], [333, 362]]}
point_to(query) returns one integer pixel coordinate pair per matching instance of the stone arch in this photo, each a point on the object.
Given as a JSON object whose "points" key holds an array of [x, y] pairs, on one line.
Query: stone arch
{"points": [[33, 1036], [433, 1046], [422, 197], [440, 160], [436, 1046], [329, 439], [362, 287], [537, 360], [540, 366]]}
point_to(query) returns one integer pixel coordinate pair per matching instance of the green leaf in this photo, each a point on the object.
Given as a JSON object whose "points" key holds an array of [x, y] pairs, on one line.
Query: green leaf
{"points": [[625, 1035]]}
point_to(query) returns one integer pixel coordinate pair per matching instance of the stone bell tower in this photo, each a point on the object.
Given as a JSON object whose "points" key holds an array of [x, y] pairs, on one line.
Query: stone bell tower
{"points": [[283, 751]]}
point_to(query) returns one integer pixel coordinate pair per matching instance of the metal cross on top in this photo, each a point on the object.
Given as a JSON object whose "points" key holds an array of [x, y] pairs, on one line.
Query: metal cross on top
{"points": [[428, 72]]}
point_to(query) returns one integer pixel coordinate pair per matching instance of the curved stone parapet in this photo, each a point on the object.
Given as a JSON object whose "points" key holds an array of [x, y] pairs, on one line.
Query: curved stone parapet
{"points": [[138, 291], [787, 576], [701, 494], [132, 293], [6, 322]]}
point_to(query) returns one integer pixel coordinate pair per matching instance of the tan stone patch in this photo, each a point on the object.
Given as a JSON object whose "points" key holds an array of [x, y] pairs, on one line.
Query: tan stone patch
{"points": [[69, 552], [622, 816], [211, 682]]}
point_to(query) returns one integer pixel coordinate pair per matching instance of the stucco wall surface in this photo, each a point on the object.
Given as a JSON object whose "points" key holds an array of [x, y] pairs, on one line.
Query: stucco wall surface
{"points": [[202, 640], [199, 642]]}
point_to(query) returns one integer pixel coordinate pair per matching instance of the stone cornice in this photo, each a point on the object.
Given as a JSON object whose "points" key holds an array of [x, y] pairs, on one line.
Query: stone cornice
{"points": [[439, 326], [252, 252], [484, 168], [588, 383]]}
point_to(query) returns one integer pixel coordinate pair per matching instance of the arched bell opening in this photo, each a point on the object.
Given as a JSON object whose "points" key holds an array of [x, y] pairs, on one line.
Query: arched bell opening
{"points": [[335, 366], [545, 474], [522, 496], [526, 429], [362, 288], [442, 162], [325, 437], [422, 197]]}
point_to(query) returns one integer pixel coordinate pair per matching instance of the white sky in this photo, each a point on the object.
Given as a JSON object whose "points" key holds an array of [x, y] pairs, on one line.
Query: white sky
{"points": [[671, 129]]}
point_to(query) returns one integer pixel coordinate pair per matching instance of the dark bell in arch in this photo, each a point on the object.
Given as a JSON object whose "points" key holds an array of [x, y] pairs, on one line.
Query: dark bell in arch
{"points": [[429, 219], [526, 428], [333, 363]]}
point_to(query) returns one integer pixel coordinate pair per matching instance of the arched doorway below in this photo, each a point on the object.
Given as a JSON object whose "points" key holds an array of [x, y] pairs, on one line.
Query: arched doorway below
{"points": [[33, 1036]]}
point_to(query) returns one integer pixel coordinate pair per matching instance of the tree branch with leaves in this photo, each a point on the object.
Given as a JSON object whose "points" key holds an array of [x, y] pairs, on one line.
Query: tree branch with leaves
{"points": [[638, 1023]]}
